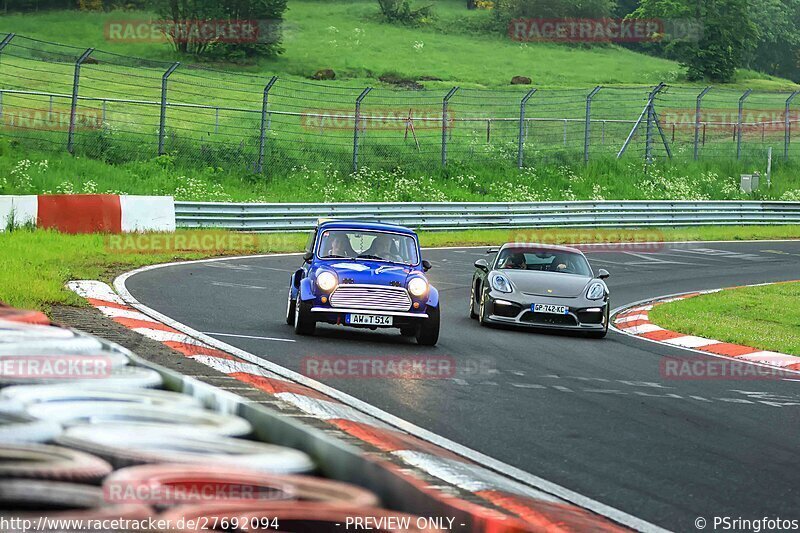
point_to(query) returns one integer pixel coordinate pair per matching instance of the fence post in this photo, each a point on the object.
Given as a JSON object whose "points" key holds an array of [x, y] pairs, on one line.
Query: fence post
{"points": [[739, 123], [787, 126], [521, 140], [5, 41], [356, 120], [162, 124], [445, 102], [697, 121], [74, 106], [262, 143], [648, 142], [587, 127]]}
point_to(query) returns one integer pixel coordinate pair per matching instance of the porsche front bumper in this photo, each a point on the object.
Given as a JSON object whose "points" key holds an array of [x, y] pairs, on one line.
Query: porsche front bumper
{"points": [[517, 310]]}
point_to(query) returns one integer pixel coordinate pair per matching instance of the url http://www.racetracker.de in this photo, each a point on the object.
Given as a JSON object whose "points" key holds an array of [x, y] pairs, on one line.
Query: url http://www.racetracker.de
{"points": [[216, 523], [754, 525]]}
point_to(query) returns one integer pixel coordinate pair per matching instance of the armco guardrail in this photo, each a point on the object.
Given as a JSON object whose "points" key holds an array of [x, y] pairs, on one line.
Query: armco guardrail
{"points": [[478, 215]]}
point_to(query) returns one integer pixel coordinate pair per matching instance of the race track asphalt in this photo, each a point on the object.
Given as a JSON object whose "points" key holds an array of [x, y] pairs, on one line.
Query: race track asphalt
{"points": [[595, 416]]}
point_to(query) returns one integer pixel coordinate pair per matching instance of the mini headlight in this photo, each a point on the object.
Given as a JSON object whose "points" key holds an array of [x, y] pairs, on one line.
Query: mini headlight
{"points": [[326, 281], [596, 291], [500, 283], [417, 286]]}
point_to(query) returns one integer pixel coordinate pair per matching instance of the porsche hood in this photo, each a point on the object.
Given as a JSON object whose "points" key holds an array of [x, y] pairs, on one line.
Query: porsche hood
{"points": [[553, 284]]}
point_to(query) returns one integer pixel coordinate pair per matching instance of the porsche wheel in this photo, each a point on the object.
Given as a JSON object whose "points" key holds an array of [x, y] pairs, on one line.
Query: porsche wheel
{"points": [[304, 323], [483, 312], [472, 314]]}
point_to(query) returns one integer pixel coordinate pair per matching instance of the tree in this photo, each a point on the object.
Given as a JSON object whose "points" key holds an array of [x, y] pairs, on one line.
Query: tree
{"points": [[727, 34], [778, 48]]}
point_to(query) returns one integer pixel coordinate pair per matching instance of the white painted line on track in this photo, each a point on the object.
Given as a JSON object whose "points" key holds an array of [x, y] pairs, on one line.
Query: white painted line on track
{"points": [[278, 339], [536, 483]]}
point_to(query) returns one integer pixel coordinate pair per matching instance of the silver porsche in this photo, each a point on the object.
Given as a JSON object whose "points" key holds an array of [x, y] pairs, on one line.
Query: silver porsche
{"points": [[540, 286]]}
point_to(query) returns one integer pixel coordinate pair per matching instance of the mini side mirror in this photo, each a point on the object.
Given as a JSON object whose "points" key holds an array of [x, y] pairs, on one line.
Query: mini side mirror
{"points": [[308, 256], [482, 264], [492, 250], [602, 273], [426, 265]]}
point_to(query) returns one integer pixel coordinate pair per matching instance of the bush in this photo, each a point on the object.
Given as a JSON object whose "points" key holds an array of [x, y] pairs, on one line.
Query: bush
{"points": [[400, 11], [507, 10], [267, 14]]}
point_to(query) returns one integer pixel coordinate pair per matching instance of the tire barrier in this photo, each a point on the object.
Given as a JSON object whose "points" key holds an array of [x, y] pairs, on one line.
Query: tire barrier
{"points": [[125, 446], [157, 417], [248, 485], [38, 394], [55, 463], [299, 516], [58, 499], [19, 427]]}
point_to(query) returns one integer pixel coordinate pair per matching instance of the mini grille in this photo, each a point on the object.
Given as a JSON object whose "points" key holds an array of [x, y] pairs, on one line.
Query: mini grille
{"points": [[374, 297]]}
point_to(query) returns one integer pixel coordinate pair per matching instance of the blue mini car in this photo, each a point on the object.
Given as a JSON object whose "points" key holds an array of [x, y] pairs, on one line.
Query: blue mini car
{"points": [[364, 275]]}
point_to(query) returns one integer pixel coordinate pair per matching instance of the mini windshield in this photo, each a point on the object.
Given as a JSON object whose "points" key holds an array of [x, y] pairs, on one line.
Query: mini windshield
{"points": [[561, 261], [365, 244]]}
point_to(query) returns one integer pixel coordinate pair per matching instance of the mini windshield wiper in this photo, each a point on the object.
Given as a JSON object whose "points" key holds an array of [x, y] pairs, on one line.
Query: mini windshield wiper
{"points": [[369, 256], [334, 256]]}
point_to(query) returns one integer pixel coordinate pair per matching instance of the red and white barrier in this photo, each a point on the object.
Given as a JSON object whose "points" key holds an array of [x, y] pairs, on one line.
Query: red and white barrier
{"points": [[89, 213]]}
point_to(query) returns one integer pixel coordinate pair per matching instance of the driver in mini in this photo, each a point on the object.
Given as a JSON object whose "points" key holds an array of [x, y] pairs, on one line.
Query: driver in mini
{"points": [[382, 247]]}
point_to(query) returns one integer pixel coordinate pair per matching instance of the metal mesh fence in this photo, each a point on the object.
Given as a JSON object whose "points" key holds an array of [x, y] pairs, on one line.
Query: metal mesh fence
{"points": [[119, 108]]}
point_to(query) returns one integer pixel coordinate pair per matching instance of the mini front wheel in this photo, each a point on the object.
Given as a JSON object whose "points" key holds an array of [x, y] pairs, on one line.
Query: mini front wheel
{"points": [[290, 304], [428, 333], [304, 323]]}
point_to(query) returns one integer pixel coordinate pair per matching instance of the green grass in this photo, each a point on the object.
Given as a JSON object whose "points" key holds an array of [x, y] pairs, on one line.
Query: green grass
{"points": [[349, 37], [36, 264], [34, 173], [766, 317]]}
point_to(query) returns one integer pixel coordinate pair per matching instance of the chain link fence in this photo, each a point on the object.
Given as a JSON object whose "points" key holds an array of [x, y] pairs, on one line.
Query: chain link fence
{"points": [[118, 108]]}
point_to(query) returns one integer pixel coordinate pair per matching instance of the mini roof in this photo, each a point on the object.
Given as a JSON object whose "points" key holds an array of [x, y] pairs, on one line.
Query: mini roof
{"points": [[361, 224]]}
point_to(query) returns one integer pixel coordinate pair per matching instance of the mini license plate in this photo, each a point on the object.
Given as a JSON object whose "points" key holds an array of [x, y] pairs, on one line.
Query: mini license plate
{"points": [[550, 309], [368, 320]]}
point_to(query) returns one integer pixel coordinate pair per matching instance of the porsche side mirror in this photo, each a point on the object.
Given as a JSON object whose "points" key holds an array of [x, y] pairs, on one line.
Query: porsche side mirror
{"points": [[308, 256], [426, 265], [602, 273], [482, 264]]}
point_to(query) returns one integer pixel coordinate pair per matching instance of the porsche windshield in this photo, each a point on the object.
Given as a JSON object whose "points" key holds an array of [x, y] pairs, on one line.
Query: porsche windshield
{"points": [[361, 244], [561, 261]]}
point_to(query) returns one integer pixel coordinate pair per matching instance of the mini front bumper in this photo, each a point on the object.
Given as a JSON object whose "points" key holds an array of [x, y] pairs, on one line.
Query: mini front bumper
{"points": [[337, 316], [515, 309]]}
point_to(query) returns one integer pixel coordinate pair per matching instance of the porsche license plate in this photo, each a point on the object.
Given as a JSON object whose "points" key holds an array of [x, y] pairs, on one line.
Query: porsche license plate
{"points": [[550, 309], [368, 320]]}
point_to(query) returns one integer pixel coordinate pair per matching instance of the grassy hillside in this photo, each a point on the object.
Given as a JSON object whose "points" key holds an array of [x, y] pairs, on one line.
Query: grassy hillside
{"points": [[349, 38]]}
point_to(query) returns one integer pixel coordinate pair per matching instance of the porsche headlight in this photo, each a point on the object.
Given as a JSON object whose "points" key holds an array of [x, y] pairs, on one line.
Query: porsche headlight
{"points": [[595, 291], [326, 281], [417, 287], [500, 283]]}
